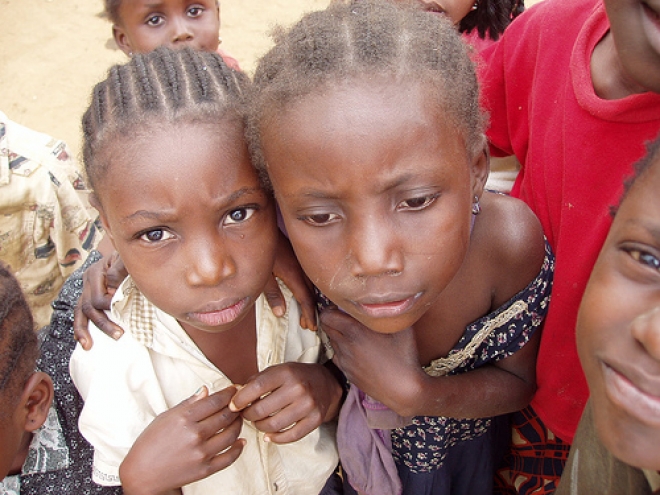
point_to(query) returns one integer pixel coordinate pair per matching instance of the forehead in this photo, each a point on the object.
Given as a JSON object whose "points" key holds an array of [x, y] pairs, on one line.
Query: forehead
{"points": [[209, 153], [385, 128]]}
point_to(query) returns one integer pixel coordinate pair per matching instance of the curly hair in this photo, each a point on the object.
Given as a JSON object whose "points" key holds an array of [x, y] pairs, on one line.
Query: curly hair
{"points": [[491, 17], [363, 39], [19, 349], [163, 87]]}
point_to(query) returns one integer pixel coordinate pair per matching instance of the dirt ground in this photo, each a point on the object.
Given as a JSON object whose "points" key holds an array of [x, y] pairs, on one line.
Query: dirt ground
{"points": [[52, 52]]}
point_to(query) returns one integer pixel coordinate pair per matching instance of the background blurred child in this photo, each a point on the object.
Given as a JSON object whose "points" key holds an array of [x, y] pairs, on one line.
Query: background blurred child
{"points": [[373, 142], [572, 89], [198, 242], [47, 227], [615, 450], [139, 26], [42, 450]]}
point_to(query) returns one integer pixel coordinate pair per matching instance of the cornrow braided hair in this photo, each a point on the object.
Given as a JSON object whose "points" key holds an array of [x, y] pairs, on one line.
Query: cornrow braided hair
{"points": [[491, 17], [19, 349], [163, 87], [366, 39]]}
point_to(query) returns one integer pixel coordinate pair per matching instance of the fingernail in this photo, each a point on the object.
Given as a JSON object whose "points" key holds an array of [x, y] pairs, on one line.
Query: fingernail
{"points": [[82, 342], [278, 310], [232, 407], [116, 335]]}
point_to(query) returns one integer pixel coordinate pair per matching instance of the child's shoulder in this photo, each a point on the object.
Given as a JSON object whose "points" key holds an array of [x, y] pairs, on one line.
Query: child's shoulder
{"points": [[511, 239]]}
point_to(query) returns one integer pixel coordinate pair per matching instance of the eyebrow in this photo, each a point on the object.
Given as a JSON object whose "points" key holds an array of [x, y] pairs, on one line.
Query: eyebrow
{"points": [[388, 186], [232, 198]]}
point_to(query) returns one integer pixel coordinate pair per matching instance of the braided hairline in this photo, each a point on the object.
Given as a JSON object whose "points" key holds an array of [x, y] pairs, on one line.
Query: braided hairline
{"points": [[159, 88], [18, 342], [366, 39]]}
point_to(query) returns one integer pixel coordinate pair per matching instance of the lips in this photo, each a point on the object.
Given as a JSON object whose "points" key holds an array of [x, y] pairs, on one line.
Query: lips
{"points": [[641, 401], [223, 315], [387, 306]]}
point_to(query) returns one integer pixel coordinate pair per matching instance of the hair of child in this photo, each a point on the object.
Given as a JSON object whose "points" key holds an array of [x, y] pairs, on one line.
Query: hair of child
{"points": [[111, 9], [639, 169], [159, 88], [491, 17], [373, 39], [19, 348]]}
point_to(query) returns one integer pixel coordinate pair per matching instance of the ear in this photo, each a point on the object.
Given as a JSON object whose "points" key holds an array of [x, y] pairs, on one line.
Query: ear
{"points": [[36, 400], [124, 44], [480, 169]]}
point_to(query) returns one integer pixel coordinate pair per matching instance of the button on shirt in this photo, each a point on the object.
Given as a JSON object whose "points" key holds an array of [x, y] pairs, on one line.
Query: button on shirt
{"points": [[155, 366]]}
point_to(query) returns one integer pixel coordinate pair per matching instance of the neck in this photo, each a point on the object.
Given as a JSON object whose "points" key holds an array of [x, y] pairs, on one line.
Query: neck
{"points": [[610, 80], [233, 351], [21, 455]]}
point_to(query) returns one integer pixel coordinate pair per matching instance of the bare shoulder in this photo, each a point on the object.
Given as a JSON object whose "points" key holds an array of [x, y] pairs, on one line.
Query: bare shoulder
{"points": [[510, 237]]}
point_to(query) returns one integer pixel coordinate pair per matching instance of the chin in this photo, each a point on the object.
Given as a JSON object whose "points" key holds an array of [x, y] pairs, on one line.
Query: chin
{"points": [[629, 441]]}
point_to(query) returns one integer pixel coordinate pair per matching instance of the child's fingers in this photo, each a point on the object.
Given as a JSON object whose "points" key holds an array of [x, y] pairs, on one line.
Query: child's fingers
{"points": [[226, 458], [299, 430], [223, 439], [274, 297], [201, 405]]}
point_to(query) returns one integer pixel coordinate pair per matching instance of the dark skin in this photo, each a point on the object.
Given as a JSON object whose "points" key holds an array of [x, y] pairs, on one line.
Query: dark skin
{"points": [[102, 279], [217, 254], [404, 386], [381, 224]]}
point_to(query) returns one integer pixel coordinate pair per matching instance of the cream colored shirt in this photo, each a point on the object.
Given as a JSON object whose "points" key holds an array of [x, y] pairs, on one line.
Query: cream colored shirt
{"points": [[47, 227], [155, 365]]}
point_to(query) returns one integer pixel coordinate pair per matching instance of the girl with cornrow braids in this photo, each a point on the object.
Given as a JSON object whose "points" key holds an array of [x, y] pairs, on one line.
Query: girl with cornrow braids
{"points": [[365, 119], [211, 392]]}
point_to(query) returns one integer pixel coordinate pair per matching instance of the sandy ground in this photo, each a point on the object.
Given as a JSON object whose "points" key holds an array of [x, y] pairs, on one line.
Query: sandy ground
{"points": [[52, 52]]}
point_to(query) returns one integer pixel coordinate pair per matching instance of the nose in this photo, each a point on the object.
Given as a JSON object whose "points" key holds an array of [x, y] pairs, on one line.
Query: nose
{"points": [[209, 263], [375, 248], [646, 330], [181, 31]]}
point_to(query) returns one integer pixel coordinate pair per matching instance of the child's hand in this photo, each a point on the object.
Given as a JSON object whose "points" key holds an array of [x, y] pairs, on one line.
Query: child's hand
{"points": [[187, 443], [288, 269], [289, 400], [100, 281], [384, 366]]}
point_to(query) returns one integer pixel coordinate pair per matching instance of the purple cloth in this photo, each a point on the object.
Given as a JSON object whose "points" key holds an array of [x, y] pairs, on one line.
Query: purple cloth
{"points": [[365, 447]]}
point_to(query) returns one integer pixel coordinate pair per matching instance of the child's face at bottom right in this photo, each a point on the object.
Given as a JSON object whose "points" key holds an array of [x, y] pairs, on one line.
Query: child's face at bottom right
{"points": [[618, 329]]}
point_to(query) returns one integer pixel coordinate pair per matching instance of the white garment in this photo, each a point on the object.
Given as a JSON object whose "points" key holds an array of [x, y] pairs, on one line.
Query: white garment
{"points": [[155, 365]]}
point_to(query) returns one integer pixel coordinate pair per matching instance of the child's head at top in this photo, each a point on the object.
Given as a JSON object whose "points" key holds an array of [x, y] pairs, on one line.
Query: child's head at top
{"points": [[366, 119], [488, 17], [140, 26], [25, 396], [165, 153], [618, 327]]}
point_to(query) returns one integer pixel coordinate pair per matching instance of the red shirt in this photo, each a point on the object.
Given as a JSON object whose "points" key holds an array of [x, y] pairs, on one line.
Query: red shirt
{"points": [[575, 150]]}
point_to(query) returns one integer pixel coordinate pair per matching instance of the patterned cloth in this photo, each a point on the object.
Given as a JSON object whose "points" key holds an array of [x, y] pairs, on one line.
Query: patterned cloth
{"points": [[47, 227], [60, 459], [423, 446], [440, 455], [536, 460], [155, 365]]}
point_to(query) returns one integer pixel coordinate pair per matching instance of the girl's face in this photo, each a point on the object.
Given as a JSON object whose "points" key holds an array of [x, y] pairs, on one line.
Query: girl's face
{"points": [[186, 212], [618, 329], [456, 10], [635, 27], [375, 187], [148, 24]]}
